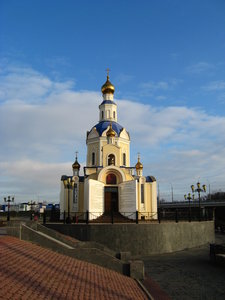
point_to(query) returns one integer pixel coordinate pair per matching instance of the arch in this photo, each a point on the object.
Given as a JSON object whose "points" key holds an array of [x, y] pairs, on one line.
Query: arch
{"points": [[113, 170], [102, 114], [111, 160], [124, 159], [111, 178], [93, 158], [114, 115]]}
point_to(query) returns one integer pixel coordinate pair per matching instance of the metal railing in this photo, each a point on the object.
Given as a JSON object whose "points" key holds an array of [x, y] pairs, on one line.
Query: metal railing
{"points": [[162, 215]]}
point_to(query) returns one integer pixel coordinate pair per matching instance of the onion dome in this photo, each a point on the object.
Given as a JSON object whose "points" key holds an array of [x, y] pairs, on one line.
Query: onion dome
{"points": [[76, 164], [139, 165], [110, 132], [108, 87]]}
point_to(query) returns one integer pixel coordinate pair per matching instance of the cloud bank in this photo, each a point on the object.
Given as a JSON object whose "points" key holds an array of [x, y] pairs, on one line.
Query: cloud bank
{"points": [[43, 122]]}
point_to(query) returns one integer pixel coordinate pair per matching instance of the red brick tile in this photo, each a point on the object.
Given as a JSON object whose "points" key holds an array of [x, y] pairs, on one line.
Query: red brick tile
{"points": [[31, 272]]}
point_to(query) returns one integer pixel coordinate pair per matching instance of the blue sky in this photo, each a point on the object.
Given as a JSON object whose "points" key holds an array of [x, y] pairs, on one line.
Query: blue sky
{"points": [[167, 63]]}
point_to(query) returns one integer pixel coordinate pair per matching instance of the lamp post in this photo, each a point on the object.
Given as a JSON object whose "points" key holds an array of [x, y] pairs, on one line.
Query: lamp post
{"points": [[9, 200], [199, 190], [31, 203], [68, 184], [188, 197], [171, 192]]}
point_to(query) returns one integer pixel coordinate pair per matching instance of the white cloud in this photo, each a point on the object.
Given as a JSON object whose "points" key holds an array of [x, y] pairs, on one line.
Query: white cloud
{"points": [[39, 138], [124, 78], [218, 85], [153, 86], [200, 67], [160, 98], [25, 84]]}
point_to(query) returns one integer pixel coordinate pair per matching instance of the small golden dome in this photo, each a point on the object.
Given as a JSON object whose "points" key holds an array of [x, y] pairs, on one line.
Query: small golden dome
{"points": [[108, 87], [110, 132], [139, 165], [76, 165]]}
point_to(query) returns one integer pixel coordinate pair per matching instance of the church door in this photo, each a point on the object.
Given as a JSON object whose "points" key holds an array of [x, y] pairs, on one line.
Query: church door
{"points": [[111, 199]]}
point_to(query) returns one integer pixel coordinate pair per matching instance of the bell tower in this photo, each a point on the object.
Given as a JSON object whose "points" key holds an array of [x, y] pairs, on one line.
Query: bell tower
{"points": [[108, 108]]}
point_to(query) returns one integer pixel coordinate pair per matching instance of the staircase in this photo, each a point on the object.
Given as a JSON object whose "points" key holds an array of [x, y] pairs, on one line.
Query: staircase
{"points": [[114, 217]]}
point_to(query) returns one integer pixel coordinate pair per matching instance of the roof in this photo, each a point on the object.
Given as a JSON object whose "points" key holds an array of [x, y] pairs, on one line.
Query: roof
{"points": [[103, 125], [150, 179], [108, 102], [63, 177]]}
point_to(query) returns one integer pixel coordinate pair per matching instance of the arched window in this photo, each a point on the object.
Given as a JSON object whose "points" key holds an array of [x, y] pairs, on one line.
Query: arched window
{"points": [[93, 159], [111, 160], [124, 159], [142, 193], [111, 179], [114, 114], [102, 114]]}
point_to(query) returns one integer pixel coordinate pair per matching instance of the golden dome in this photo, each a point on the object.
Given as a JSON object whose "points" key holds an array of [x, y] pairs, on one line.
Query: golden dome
{"points": [[110, 132], [76, 165], [108, 87], [139, 165]]}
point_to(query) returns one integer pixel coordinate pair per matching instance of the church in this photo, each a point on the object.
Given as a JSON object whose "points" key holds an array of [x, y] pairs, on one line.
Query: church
{"points": [[108, 184]]}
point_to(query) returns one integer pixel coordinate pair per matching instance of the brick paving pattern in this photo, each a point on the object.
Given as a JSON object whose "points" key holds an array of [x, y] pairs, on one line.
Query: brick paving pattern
{"points": [[28, 271], [154, 289]]}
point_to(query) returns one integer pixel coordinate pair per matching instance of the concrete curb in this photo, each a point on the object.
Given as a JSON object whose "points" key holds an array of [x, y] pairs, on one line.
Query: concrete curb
{"points": [[144, 290]]}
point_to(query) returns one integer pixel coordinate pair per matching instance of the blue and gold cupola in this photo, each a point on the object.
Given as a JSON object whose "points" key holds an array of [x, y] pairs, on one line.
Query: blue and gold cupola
{"points": [[108, 87], [108, 108]]}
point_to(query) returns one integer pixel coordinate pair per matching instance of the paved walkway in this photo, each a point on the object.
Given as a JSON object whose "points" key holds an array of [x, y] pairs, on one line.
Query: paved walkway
{"points": [[30, 272], [188, 274]]}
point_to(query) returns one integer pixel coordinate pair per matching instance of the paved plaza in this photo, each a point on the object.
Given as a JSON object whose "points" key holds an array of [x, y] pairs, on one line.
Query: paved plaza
{"points": [[31, 272], [188, 274]]}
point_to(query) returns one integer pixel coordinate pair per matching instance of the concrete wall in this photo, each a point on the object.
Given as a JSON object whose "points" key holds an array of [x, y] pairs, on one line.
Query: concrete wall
{"points": [[89, 252], [143, 239]]}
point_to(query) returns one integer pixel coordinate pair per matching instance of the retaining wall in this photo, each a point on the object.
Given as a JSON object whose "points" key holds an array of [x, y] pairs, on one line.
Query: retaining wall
{"points": [[143, 239]]}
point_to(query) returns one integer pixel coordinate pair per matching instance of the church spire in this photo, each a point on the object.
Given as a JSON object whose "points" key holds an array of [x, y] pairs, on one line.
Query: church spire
{"points": [[76, 166], [108, 108], [139, 166]]}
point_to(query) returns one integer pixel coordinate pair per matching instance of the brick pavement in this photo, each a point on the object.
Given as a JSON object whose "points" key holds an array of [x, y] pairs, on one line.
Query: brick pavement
{"points": [[30, 272]]}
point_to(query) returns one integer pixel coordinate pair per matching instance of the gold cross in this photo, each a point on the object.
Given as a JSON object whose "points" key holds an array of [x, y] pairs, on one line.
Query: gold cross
{"points": [[76, 154], [107, 70]]}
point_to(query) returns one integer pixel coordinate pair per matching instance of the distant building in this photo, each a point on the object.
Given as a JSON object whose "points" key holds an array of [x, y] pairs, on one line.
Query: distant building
{"points": [[109, 182]]}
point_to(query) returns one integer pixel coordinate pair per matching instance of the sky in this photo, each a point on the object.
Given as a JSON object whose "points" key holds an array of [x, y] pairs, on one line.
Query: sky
{"points": [[166, 61]]}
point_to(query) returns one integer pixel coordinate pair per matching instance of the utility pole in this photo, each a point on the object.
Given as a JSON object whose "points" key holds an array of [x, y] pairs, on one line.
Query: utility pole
{"points": [[172, 192], [158, 196]]}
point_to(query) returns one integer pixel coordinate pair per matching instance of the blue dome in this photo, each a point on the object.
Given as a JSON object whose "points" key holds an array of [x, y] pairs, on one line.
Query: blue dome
{"points": [[102, 126]]}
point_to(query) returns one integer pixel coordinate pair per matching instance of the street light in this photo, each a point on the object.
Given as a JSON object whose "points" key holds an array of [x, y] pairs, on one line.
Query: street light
{"points": [[31, 203], [8, 200], [189, 198], [199, 190], [68, 184], [171, 192]]}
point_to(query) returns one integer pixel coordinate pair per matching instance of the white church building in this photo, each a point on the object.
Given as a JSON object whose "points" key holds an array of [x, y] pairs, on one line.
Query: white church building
{"points": [[108, 184]]}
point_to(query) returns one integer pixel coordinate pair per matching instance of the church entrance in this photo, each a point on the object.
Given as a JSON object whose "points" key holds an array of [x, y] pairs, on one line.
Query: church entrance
{"points": [[111, 199]]}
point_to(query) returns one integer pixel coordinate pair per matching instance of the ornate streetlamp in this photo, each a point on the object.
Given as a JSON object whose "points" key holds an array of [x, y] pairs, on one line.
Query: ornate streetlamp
{"points": [[189, 198], [199, 190], [9, 200], [68, 184]]}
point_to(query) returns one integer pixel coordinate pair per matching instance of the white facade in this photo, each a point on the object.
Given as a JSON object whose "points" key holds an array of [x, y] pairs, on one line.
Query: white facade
{"points": [[109, 183]]}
